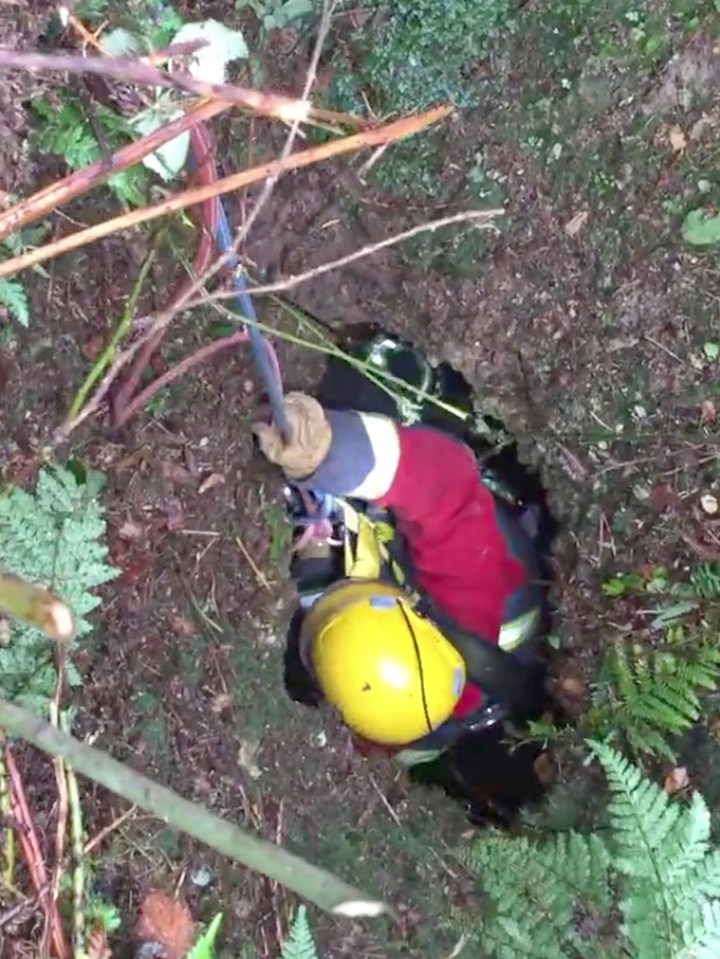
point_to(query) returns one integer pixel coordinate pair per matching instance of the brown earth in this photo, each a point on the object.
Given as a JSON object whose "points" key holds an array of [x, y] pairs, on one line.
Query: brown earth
{"points": [[584, 334]]}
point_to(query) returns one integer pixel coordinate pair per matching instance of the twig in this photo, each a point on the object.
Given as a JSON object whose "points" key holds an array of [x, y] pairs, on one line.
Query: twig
{"points": [[103, 360], [62, 816], [397, 130], [10, 914], [259, 575], [78, 841], [107, 830], [384, 800], [180, 369], [33, 853], [369, 249], [5, 811], [270, 183], [125, 406], [132, 71], [41, 203], [154, 58]]}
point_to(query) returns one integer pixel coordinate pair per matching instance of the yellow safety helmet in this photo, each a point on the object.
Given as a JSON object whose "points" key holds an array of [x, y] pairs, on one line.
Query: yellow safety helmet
{"points": [[390, 672]]}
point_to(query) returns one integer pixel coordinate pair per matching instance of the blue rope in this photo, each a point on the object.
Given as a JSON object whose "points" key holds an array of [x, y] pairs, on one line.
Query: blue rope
{"points": [[243, 307]]}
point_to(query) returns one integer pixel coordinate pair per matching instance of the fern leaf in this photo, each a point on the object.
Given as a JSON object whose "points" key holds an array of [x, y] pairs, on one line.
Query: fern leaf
{"points": [[655, 694], [55, 537], [14, 298], [204, 948], [535, 891], [299, 943], [663, 851]]}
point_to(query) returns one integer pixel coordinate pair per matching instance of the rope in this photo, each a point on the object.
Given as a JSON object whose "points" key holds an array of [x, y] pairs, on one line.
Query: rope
{"points": [[261, 350]]}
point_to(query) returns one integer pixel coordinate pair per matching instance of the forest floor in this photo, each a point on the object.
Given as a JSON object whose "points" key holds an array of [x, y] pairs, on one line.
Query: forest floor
{"points": [[586, 325]]}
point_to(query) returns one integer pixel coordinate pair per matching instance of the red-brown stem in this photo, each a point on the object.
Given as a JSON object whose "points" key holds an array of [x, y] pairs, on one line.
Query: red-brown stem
{"points": [[199, 356], [201, 147], [33, 855]]}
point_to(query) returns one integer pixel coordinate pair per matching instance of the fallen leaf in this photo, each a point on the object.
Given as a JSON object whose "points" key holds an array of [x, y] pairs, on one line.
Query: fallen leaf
{"points": [[221, 703], [210, 482], [708, 412], [247, 755], [182, 627], [570, 690], [166, 921], [174, 515], [676, 780], [662, 496], [131, 530], [573, 227], [545, 768], [92, 345], [701, 126], [97, 945], [176, 473], [678, 140]]}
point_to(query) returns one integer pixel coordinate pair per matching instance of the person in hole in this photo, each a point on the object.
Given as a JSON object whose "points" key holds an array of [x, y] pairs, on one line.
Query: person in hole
{"points": [[422, 581]]}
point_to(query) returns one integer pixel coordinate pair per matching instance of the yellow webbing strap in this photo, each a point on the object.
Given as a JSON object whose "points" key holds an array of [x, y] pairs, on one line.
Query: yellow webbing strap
{"points": [[365, 547]]}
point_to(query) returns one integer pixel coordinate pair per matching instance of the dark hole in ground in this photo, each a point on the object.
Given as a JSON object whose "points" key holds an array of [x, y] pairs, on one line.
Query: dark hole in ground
{"points": [[495, 449], [494, 780]]}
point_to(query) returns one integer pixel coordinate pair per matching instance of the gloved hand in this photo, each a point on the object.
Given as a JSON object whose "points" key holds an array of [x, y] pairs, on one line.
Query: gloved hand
{"points": [[310, 437]]}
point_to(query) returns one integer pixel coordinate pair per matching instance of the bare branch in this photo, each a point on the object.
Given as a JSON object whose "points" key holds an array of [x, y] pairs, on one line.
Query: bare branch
{"points": [[292, 281], [132, 71], [399, 129]]}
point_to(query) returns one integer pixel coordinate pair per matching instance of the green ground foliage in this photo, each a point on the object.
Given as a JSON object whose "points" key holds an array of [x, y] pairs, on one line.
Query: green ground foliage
{"points": [[645, 885]]}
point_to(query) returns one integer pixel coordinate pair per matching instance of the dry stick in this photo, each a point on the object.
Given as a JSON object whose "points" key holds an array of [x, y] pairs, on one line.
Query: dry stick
{"points": [[368, 250], [154, 58], [44, 201], [131, 71], [76, 833], [270, 183], [206, 352], [397, 130], [93, 843], [36, 606], [62, 816], [326, 890], [179, 369]]}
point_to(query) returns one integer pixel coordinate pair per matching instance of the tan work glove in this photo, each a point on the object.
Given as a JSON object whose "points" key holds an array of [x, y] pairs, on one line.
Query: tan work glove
{"points": [[310, 437]]}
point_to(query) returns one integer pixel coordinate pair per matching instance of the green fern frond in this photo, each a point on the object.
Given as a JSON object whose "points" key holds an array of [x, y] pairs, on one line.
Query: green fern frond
{"points": [[705, 580], [65, 131], [650, 694], [54, 536], [14, 298], [204, 948], [534, 892], [706, 944], [299, 943], [662, 851]]}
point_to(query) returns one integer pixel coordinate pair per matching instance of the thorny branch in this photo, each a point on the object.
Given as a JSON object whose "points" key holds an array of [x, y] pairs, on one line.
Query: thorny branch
{"points": [[398, 129], [132, 71]]}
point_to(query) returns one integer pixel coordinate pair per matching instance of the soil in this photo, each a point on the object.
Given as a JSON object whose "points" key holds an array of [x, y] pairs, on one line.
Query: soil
{"points": [[583, 325]]}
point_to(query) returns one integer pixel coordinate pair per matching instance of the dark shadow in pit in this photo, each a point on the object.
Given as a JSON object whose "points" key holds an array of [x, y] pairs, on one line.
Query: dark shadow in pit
{"points": [[491, 779]]}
